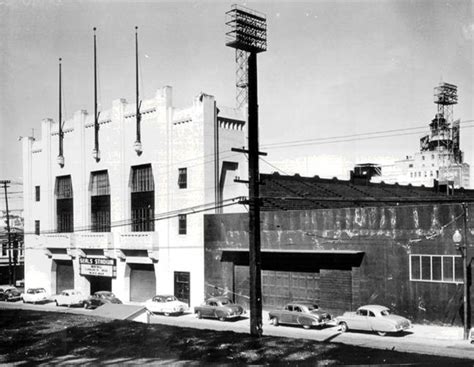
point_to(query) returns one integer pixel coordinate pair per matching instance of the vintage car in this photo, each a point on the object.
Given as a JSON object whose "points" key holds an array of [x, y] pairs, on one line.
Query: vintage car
{"points": [[221, 308], [70, 297], [34, 295], [100, 298], [10, 294], [302, 313], [373, 318], [166, 304]]}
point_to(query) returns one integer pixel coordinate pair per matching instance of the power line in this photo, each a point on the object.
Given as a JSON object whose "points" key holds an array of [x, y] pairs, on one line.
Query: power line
{"points": [[350, 137]]}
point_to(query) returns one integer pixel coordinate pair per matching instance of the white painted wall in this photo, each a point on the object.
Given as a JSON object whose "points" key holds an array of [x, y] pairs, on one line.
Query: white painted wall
{"points": [[171, 138]]}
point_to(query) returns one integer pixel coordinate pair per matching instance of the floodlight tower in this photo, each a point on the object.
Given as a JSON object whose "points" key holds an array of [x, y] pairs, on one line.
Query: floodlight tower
{"points": [[445, 97], [248, 33], [241, 82]]}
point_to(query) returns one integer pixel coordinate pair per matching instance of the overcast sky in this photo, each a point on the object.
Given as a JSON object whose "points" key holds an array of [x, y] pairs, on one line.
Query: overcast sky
{"points": [[332, 68]]}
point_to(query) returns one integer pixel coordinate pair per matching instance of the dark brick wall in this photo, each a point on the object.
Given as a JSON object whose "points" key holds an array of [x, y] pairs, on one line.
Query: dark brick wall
{"points": [[386, 235]]}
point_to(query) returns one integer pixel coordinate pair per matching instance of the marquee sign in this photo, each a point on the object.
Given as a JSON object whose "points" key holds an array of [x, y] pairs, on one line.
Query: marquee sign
{"points": [[98, 266]]}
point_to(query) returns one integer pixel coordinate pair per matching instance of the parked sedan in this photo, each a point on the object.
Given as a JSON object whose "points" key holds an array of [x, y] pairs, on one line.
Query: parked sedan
{"points": [[34, 295], [166, 304], [221, 308], [304, 314], [10, 294], [70, 297], [100, 298], [373, 318]]}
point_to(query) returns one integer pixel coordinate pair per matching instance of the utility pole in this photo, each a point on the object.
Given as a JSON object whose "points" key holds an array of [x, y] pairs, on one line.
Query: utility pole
{"points": [[466, 267], [5, 183], [248, 32]]}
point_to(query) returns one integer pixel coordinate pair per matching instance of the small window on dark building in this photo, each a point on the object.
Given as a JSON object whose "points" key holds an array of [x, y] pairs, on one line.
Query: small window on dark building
{"points": [[458, 271], [415, 267], [37, 227], [64, 204], [4, 249], [183, 178], [143, 198], [37, 193], [99, 188], [436, 267], [448, 275], [182, 224], [425, 268]]}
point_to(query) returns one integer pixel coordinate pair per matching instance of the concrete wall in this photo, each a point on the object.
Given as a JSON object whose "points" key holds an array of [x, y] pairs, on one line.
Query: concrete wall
{"points": [[387, 236]]}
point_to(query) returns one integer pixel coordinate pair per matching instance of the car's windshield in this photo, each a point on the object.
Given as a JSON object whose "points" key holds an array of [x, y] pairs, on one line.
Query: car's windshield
{"points": [[312, 307], [225, 302], [40, 290], [170, 299], [385, 312]]}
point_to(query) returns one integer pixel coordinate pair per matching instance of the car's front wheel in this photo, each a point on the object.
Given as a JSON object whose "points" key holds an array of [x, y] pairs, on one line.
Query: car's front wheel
{"points": [[343, 327]]}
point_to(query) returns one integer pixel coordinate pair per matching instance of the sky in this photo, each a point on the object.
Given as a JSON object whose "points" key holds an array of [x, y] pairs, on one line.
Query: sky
{"points": [[332, 68]]}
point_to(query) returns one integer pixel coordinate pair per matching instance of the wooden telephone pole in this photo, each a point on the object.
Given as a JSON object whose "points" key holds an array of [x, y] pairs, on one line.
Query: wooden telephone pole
{"points": [[10, 274], [248, 32]]}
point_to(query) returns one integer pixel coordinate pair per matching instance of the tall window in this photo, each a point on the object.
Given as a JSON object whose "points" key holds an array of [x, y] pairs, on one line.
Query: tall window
{"points": [[64, 204], [183, 178], [37, 227], [37, 193], [436, 268], [143, 198], [99, 188], [182, 222]]}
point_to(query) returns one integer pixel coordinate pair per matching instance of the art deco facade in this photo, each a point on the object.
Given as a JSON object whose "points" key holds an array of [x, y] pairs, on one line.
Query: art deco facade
{"points": [[130, 223]]}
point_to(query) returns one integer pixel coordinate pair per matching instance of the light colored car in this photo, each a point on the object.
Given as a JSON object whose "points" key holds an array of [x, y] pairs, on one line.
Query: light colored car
{"points": [[34, 295], [221, 308], [302, 313], [70, 297], [166, 304], [373, 318]]}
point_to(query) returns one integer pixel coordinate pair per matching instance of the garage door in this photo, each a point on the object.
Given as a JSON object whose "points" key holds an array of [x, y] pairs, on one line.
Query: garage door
{"points": [[142, 282], [336, 290], [278, 287], [64, 275]]}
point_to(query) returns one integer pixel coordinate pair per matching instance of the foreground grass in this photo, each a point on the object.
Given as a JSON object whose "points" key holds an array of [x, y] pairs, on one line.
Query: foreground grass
{"points": [[37, 337]]}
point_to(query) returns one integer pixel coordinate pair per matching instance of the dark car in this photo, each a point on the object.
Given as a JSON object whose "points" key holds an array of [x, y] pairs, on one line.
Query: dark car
{"points": [[221, 308], [10, 294], [304, 314], [100, 298]]}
